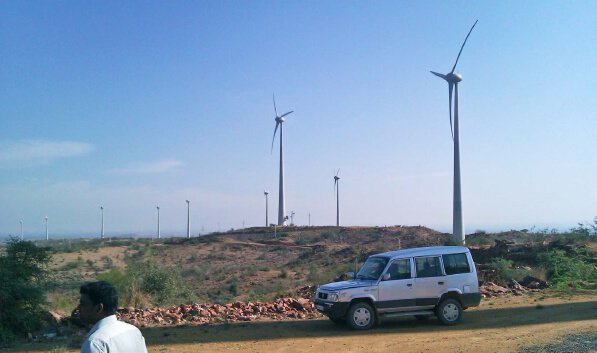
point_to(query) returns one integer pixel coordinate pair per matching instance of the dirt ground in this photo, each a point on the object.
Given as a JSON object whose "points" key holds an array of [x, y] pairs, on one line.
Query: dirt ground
{"points": [[504, 324]]}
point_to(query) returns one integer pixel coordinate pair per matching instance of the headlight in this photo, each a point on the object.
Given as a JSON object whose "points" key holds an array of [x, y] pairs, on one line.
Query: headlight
{"points": [[333, 297]]}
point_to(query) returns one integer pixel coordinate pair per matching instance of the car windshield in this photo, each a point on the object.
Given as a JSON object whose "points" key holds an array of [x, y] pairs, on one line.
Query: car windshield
{"points": [[372, 268]]}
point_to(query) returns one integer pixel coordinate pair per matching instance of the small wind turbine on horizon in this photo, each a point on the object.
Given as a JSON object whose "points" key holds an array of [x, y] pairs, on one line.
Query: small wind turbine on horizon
{"points": [[21, 221], [188, 219], [158, 208], [47, 236], [281, 205], [337, 192], [102, 211], [265, 193], [453, 78]]}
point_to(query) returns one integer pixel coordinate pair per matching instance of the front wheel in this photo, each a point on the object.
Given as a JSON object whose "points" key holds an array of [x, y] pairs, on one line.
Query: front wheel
{"points": [[449, 311], [361, 316]]}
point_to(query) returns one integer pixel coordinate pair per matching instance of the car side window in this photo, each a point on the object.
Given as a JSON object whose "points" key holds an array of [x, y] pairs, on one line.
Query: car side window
{"points": [[428, 266], [400, 269], [455, 264]]}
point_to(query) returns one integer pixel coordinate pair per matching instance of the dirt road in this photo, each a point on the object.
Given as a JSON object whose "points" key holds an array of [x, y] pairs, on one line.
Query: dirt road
{"points": [[505, 324]]}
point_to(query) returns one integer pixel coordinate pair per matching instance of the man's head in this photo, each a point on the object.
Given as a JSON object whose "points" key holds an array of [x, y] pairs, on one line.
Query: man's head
{"points": [[98, 300]]}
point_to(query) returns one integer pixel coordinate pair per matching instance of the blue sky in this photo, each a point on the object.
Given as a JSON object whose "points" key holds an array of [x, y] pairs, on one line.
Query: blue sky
{"points": [[130, 105]]}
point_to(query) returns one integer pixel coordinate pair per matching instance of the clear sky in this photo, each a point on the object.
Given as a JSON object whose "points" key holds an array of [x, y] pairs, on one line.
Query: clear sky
{"points": [[130, 105]]}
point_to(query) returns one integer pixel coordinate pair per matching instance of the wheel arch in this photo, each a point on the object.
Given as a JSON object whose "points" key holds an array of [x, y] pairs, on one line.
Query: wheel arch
{"points": [[453, 294]]}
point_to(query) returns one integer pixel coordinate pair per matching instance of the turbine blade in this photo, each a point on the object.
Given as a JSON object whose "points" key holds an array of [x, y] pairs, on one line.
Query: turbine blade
{"points": [[462, 47], [338, 172], [287, 113], [274, 99], [273, 138], [451, 86], [439, 75]]}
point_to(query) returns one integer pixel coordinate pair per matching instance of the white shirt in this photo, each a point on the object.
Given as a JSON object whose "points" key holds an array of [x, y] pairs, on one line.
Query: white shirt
{"points": [[113, 336]]}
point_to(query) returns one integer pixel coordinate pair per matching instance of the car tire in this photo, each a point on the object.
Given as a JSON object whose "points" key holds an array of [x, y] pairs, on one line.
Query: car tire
{"points": [[449, 311], [361, 316]]}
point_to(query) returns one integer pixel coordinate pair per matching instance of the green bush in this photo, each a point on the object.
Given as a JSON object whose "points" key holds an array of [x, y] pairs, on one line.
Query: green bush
{"points": [[505, 271], [23, 279], [146, 283], [564, 271]]}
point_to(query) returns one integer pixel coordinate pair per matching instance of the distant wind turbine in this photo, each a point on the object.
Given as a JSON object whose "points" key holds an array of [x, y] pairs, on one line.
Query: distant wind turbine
{"points": [[281, 206], [266, 193], [47, 237], [21, 221], [453, 78], [102, 211], [158, 208], [188, 219], [337, 192]]}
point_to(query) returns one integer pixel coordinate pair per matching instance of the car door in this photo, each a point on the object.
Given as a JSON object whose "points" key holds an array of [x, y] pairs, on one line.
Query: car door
{"points": [[429, 282], [397, 292]]}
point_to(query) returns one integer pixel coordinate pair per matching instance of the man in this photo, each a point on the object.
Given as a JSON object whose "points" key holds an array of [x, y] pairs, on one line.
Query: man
{"points": [[97, 307]]}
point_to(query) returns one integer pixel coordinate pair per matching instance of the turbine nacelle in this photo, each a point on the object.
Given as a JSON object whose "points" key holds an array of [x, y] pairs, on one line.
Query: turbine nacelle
{"points": [[280, 120], [452, 77]]}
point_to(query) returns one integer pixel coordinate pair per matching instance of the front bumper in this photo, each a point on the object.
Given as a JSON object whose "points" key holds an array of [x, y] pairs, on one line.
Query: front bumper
{"points": [[336, 310]]}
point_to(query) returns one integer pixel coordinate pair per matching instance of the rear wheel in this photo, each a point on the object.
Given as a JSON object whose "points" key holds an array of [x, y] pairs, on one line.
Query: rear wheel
{"points": [[361, 316], [449, 311]]}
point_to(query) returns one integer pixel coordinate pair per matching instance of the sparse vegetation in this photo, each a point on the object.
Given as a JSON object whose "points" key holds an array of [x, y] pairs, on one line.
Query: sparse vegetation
{"points": [[23, 281]]}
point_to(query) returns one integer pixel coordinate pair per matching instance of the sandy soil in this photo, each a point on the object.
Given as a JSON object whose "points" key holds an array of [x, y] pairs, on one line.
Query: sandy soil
{"points": [[499, 325]]}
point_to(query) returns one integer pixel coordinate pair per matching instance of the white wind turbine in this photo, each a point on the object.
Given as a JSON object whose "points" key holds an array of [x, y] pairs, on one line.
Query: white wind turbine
{"points": [[47, 236], [266, 193], [102, 211], [188, 218], [158, 208], [337, 192], [453, 78], [281, 206]]}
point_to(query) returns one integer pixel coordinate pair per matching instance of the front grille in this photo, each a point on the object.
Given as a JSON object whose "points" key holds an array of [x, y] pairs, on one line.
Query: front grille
{"points": [[323, 295]]}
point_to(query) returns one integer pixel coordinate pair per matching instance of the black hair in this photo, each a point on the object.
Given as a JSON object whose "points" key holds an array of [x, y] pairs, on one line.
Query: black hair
{"points": [[101, 292]]}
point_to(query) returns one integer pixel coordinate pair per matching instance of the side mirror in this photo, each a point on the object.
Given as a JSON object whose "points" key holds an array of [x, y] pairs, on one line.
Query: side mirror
{"points": [[349, 275], [385, 277]]}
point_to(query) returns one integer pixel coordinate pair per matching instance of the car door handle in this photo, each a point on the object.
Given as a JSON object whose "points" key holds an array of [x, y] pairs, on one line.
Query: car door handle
{"points": [[440, 283], [409, 284]]}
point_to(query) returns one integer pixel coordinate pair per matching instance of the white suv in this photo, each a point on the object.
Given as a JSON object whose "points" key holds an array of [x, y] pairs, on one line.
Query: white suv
{"points": [[440, 280]]}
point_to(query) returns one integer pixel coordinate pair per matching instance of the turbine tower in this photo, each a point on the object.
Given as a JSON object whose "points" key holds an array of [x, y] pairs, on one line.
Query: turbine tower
{"points": [[102, 210], [21, 221], [158, 208], [337, 190], [281, 206], [188, 219], [265, 193], [453, 78], [47, 237]]}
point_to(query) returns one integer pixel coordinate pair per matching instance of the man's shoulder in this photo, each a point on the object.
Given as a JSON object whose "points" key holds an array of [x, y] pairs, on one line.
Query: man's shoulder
{"points": [[113, 328]]}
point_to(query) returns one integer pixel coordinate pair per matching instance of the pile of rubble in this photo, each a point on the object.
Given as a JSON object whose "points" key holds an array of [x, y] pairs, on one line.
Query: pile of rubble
{"points": [[280, 309], [490, 289]]}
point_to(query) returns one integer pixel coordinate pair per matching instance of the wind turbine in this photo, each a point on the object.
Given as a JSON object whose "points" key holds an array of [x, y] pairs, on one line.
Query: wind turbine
{"points": [[102, 210], [21, 221], [281, 207], [337, 192], [188, 219], [453, 78], [47, 237], [265, 193], [158, 208]]}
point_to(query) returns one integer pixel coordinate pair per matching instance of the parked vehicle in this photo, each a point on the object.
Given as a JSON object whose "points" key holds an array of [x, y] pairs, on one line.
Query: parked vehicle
{"points": [[417, 282]]}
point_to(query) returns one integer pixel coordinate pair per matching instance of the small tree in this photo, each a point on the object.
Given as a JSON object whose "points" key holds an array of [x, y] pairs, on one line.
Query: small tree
{"points": [[23, 280]]}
